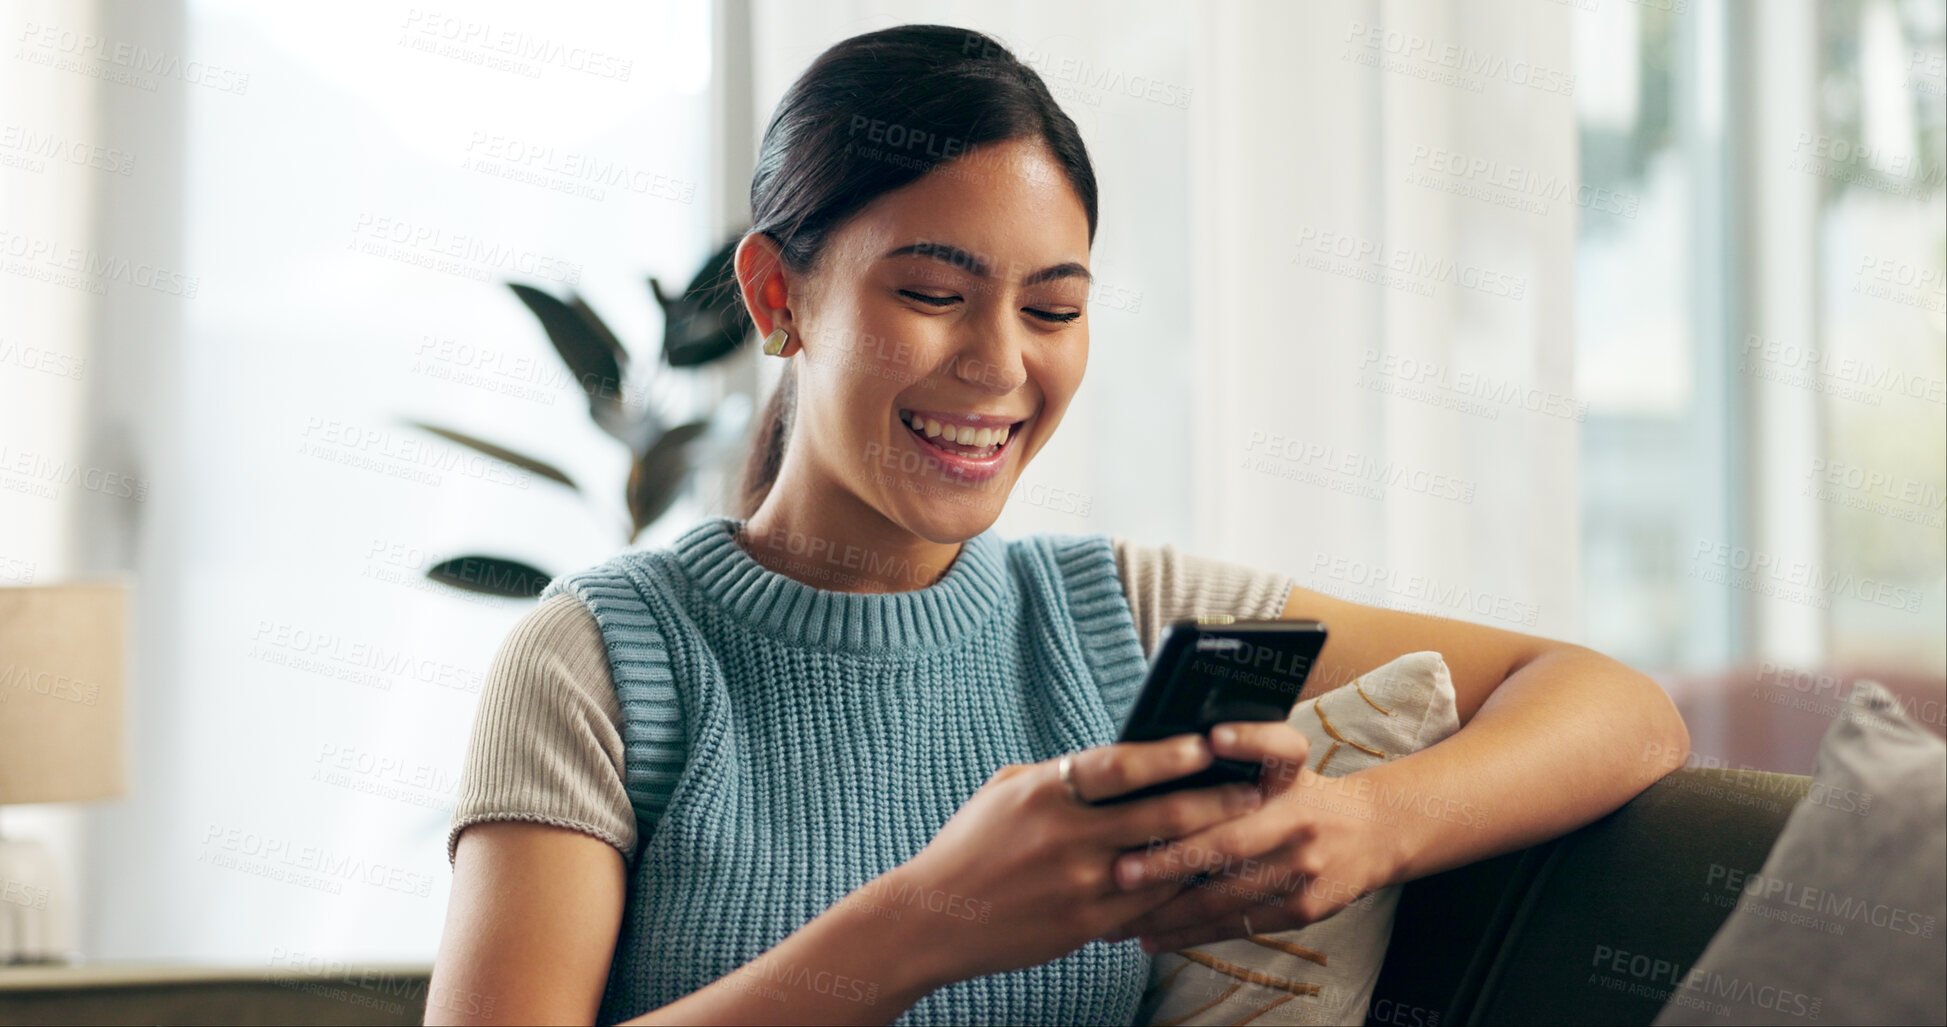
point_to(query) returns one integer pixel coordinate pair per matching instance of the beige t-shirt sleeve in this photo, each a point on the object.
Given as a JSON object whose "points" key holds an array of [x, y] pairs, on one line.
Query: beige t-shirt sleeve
{"points": [[1164, 584], [547, 738]]}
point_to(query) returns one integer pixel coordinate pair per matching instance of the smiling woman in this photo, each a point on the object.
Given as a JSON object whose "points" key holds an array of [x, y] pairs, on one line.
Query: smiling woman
{"points": [[980, 278], [806, 765]]}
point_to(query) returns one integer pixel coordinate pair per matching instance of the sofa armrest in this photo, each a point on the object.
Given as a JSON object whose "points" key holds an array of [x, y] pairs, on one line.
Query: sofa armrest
{"points": [[1598, 926]]}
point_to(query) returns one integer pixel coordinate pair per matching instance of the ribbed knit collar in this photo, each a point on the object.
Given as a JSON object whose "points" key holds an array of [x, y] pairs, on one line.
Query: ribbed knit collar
{"points": [[966, 596]]}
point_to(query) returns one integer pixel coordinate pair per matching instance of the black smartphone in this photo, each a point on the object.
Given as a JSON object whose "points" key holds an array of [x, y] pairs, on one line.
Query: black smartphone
{"points": [[1212, 670]]}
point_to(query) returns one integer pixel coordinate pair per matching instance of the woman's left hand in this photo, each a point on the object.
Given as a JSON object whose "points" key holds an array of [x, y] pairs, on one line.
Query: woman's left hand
{"points": [[1314, 846]]}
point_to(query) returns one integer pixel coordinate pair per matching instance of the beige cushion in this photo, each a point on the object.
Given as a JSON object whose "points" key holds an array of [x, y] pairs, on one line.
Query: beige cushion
{"points": [[1844, 922], [1324, 973]]}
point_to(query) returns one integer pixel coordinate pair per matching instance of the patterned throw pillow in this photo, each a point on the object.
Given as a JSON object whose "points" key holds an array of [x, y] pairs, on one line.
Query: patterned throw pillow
{"points": [[1324, 973]]}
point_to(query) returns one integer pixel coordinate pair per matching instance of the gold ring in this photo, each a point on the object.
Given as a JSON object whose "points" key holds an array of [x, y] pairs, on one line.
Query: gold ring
{"points": [[1065, 769]]}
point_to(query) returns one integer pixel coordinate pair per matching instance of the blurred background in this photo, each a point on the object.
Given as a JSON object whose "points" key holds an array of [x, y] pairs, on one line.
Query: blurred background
{"points": [[1616, 322]]}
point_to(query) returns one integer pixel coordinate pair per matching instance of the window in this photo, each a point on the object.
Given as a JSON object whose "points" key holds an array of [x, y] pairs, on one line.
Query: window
{"points": [[1693, 354], [350, 216]]}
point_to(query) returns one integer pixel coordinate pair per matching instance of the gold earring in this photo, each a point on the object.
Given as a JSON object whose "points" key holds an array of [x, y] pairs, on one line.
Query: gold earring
{"points": [[774, 342]]}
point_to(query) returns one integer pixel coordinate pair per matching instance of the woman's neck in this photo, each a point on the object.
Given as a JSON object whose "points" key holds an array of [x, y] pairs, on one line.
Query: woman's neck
{"points": [[829, 539]]}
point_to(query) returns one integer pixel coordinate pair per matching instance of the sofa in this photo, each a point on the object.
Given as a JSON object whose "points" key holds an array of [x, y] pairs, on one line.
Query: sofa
{"points": [[1593, 927]]}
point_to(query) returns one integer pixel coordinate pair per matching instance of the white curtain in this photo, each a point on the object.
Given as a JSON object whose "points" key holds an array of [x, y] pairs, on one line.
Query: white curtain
{"points": [[1404, 407], [1332, 330]]}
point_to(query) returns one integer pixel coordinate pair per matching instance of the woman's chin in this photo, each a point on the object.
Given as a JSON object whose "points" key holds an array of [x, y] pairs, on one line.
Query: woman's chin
{"points": [[948, 513]]}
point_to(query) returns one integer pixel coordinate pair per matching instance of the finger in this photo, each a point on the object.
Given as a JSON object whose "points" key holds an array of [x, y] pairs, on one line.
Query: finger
{"points": [[1008, 771], [1223, 896], [1158, 821], [1282, 749], [1107, 771], [1125, 908], [1225, 845]]}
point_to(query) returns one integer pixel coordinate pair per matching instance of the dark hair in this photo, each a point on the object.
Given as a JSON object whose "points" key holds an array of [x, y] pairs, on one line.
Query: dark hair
{"points": [[872, 114]]}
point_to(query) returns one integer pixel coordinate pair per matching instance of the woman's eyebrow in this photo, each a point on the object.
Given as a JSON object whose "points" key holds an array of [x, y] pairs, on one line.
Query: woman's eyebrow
{"points": [[978, 266]]}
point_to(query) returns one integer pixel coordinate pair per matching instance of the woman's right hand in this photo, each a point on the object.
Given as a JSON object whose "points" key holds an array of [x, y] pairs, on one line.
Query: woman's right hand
{"points": [[1022, 873]]}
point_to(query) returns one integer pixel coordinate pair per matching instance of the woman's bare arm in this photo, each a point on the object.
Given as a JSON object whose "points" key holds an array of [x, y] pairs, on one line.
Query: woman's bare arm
{"points": [[532, 926], [1553, 736]]}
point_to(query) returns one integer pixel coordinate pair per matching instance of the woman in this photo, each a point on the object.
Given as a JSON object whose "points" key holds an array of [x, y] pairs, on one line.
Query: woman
{"points": [[803, 766]]}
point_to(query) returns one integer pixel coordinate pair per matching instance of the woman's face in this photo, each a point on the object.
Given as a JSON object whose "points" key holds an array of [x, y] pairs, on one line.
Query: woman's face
{"points": [[955, 306]]}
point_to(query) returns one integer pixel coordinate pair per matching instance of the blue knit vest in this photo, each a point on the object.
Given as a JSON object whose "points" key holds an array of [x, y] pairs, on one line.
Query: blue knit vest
{"points": [[785, 744]]}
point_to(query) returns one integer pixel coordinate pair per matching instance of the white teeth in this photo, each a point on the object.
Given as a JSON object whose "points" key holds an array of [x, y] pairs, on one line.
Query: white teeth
{"points": [[972, 438]]}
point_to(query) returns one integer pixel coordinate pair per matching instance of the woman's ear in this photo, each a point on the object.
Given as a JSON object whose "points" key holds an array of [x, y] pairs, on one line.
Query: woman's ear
{"points": [[761, 278]]}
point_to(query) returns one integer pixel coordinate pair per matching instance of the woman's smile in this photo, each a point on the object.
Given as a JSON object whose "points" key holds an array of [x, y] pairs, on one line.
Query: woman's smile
{"points": [[973, 446]]}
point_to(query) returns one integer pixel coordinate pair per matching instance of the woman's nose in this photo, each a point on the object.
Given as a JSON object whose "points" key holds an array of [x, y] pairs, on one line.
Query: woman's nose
{"points": [[991, 360]]}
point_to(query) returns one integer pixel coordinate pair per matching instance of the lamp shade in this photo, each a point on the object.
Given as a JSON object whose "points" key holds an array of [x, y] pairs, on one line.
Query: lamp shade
{"points": [[61, 672]]}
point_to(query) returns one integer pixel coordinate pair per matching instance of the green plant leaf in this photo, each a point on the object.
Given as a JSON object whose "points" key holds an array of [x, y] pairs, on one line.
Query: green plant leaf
{"points": [[501, 453], [708, 322], [593, 354], [656, 479], [491, 575]]}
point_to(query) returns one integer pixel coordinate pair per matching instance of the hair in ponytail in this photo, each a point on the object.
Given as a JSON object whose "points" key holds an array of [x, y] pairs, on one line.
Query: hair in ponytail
{"points": [[872, 114]]}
